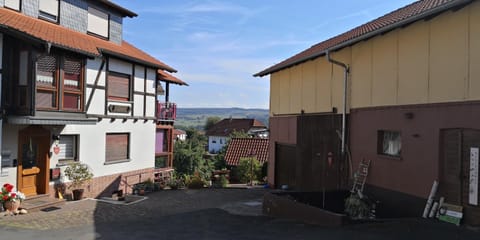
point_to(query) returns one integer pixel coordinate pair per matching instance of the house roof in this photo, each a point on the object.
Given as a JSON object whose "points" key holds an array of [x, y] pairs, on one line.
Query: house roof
{"points": [[398, 18], [178, 131], [58, 36], [228, 125], [246, 147], [125, 12], [164, 76]]}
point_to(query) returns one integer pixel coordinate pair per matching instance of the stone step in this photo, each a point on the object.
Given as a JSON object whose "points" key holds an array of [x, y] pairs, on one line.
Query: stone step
{"points": [[41, 203]]}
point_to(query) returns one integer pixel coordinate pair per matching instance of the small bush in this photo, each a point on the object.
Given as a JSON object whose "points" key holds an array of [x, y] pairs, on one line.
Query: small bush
{"points": [[249, 170], [223, 181], [195, 182]]}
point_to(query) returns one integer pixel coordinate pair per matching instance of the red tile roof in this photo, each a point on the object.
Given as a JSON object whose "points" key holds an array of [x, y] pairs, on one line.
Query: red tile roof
{"points": [[164, 76], [64, 38], [246, 147], [398, 18], [228, 125]]}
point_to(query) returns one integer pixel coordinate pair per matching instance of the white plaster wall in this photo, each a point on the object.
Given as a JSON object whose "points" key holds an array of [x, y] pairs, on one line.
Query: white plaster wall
{"points": [[92, 145], [151, 78], [98, 100], [150, 106], [139, 78], [138, 101], [217, 146]]}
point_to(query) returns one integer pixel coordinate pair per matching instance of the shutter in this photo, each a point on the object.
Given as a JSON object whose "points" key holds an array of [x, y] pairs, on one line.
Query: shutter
{"points": [[72, 70], [116, 146], [13, 4], [118, 86], [67, 145], [46, 67], [49, 6], [97, 22]]}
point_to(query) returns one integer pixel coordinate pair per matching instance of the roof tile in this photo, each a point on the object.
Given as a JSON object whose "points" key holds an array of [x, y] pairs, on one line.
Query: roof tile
{"points": [[246, 147], [62, 37]]}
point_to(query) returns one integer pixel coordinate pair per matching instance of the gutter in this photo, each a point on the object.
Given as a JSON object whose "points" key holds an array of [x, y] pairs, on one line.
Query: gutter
{"points": [[371, 34], [345, 88]]}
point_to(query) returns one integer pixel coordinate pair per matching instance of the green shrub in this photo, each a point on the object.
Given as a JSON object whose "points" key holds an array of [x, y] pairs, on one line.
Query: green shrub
{"points": [[195, 182], [249, 170], [223, 181]]}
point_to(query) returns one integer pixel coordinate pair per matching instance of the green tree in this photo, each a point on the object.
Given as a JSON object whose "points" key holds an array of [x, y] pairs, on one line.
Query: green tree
{"points": [[249, 169], [211, 121], [188, 155]]}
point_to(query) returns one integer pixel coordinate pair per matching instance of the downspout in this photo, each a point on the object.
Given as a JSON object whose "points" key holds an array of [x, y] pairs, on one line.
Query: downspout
{"points": [[345, 88]]}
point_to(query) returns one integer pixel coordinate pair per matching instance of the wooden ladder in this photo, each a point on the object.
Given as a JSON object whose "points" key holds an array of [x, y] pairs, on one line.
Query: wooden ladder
{"points": [[360, 176]]}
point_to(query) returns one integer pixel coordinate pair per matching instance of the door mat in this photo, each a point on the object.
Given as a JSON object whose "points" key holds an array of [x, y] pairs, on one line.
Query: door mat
{"points": [[49, 209]]}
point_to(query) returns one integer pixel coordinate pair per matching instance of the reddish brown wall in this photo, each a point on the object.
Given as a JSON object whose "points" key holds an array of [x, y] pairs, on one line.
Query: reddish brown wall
{"points": [[418, 166], [282, 130], [105, 185]]}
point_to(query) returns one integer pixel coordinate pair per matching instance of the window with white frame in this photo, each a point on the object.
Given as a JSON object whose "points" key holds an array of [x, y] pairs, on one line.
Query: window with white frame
{"points": [[68, 148], [48, 9], [389, 143], [97, 22], [13, 4]]}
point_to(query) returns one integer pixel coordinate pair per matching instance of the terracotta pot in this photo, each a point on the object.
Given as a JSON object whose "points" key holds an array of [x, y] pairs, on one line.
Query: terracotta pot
{"points": [[77, 194], [11, 206]]}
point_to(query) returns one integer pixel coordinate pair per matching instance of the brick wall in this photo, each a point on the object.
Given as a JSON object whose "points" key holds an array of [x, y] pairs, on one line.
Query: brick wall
{"points": [[105, 185]]}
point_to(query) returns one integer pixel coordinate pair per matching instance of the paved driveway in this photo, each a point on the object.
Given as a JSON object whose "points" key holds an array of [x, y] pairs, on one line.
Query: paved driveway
{"points": [[202, 214]]}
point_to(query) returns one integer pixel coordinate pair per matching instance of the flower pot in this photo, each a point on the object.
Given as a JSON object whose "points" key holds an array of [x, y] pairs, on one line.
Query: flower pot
{"points": [[11, 206], [77, 194]]}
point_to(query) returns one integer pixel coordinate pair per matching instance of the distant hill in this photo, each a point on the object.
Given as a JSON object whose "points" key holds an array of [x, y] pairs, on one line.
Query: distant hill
{"points": [[196, 117]]}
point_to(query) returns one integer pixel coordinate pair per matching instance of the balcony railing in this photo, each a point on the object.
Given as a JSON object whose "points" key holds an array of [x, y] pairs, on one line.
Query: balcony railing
{"points": [[166, 111]]}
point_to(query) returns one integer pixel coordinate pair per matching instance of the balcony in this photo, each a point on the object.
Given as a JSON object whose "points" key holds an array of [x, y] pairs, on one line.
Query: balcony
{"points": [[166, 111]]}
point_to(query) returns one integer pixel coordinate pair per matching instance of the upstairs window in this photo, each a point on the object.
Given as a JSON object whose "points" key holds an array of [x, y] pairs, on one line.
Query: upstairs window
{"points": [[48, 9], [389, 143], [13, 4], [118, 86], [59, 83], [98, 22]]}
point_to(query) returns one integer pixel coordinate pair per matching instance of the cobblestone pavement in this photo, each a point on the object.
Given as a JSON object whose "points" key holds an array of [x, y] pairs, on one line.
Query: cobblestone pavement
{"points": [[163, 203], [203, 214]]}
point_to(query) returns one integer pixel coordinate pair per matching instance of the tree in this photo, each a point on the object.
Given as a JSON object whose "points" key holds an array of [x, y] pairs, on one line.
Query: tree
{"points": [[249, 169], [211, 121], [188, 155]]}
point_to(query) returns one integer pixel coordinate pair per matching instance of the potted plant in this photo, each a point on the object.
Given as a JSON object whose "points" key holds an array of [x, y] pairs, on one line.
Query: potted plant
{"points": [[11, 199], [79, 174]]}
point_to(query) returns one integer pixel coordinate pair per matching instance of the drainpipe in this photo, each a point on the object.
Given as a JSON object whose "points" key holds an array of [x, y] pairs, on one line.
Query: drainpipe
{"points": [[345, 87]]}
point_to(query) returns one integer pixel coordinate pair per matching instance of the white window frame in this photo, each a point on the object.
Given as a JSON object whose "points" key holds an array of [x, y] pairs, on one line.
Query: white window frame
{"points": [[98, 22], [48, 9], [74, 143], [13, 4]]}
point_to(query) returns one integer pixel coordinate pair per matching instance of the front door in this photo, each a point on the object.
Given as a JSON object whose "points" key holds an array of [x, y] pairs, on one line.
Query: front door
{"points": [[455, 186], [33, 160]]}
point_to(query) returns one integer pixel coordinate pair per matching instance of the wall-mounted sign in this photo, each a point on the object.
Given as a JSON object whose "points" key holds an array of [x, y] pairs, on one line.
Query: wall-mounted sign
{"points": [[54, 174], [56, 150], [473, 181]]}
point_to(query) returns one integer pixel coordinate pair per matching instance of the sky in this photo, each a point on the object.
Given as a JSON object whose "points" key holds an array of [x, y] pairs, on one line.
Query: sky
{"points": [[217, 45]]}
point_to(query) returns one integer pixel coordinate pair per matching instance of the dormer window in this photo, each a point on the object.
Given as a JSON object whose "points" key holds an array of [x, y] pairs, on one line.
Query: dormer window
{"points": [[48, 9], [98, 22], [13, 4]]}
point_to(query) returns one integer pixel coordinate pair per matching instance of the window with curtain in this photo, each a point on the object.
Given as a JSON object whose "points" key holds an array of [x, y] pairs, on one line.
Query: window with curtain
{"points": [[389, 143], [59, 82], [48, 9], [68, 148], [117, 147], [118, 85], [47, 79]]}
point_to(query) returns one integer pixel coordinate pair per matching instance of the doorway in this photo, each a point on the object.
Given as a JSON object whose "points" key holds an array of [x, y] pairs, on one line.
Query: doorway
{"points": [[456, 148], [33, 171]]}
